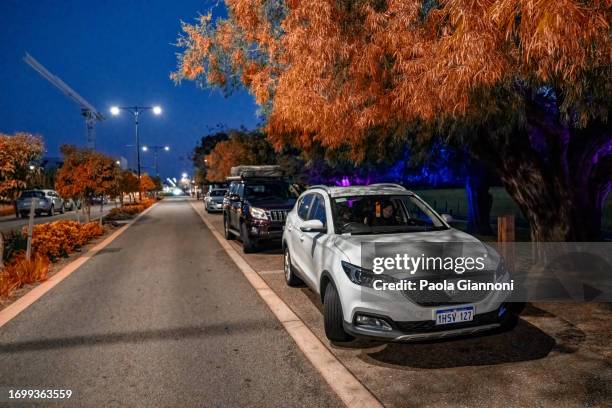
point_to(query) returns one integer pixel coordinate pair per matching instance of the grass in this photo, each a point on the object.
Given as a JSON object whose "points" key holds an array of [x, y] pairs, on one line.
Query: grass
{"points": [[455, 200]]}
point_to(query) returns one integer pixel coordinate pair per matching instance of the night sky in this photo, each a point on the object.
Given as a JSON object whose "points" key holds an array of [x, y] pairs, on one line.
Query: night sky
{"points": [[111, 52]]}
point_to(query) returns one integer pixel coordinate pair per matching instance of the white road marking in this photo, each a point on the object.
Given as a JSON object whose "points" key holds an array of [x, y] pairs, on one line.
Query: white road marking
{"points": [[350, 390], [21, 304]]}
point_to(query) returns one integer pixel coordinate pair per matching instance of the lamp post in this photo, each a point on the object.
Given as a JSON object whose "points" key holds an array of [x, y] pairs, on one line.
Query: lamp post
{"points": [[136, 111], [156, 149]]}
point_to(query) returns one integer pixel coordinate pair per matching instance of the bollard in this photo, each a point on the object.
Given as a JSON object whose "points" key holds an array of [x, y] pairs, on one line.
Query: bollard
{"points": [[30, 229], [506, 238], [505, 228]]}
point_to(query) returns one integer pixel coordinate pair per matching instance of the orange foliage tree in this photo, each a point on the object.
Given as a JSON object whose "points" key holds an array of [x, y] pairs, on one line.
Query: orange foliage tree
{"points": [[242, 148], [523, 85], [128, 184], [86, 174], [146, 183], [17, 152]]}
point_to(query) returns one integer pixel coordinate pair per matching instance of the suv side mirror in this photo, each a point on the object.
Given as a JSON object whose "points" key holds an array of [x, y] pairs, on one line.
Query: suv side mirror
{"points": [[313, 226], [447, 218]]}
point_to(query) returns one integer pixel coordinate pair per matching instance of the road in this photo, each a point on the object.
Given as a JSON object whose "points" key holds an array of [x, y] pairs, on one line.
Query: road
{"points": [[11, 223], [160, 317], [163, 317]]}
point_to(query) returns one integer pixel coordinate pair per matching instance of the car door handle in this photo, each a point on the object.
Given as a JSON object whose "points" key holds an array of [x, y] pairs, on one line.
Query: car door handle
{"points": [[301, 237]]}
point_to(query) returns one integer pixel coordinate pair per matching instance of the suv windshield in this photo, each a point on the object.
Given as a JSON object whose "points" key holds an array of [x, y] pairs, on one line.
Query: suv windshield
{"points": [[217, 193], [263, 190], [30, 194], [383, 214]]}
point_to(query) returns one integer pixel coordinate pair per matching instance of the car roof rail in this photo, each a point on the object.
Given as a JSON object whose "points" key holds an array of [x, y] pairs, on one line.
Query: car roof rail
{"points": [[321, 186], [394, 185]]}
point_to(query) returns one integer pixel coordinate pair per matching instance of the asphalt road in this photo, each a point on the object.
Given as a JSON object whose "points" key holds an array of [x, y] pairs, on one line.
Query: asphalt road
{"points": [[11, 223], [160, 317]]}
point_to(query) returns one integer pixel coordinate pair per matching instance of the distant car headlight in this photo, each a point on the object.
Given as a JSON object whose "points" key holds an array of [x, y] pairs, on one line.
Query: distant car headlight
{"points": [[258, 213]]}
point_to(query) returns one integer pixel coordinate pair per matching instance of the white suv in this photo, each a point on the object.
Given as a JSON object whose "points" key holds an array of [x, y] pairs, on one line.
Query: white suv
{"points": [[324, 239]]}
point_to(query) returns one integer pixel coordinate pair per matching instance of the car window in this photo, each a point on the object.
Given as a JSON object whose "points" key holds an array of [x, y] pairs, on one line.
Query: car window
{"points": [[217, 193], [240, 190], [232, 189], [318, 210], [304, 206], [30, 194], [265, 190], [375, 214]]}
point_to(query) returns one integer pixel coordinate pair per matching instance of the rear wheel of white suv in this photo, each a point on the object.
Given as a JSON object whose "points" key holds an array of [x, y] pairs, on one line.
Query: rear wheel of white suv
{"points": [[332, 316], [290, 277]]}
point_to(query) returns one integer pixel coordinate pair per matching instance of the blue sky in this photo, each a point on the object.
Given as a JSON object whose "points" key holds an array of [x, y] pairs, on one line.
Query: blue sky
{"points": [[113, 53]]}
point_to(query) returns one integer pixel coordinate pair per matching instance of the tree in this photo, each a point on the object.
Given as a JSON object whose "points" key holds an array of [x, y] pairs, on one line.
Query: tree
{"points": [[146, 183], [242, 148], [127, 184], [17, 153], [203, 149], [522, 85], [86, 174]]}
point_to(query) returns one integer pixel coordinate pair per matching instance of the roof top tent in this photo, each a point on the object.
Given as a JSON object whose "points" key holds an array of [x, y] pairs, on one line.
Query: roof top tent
{"points": [[265, 171]]}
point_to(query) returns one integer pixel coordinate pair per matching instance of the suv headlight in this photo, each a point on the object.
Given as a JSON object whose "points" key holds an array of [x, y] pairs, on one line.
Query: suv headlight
{"points": [[364, 277], [258, 213]]}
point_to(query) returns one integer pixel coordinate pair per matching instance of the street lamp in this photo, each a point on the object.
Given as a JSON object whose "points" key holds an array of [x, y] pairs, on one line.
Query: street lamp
{"points": [[136, 111], [156, 149]]}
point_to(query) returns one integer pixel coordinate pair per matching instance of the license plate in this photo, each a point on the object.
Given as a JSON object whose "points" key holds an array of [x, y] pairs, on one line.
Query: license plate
{"points": [[455, 315]]}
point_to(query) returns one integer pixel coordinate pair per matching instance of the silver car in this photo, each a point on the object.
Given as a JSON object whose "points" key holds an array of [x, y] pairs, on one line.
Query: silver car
{"points": [[213, 200], [46, 201]]}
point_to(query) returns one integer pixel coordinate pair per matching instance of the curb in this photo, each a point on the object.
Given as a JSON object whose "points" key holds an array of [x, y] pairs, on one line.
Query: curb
{"points": [[346, 386]]}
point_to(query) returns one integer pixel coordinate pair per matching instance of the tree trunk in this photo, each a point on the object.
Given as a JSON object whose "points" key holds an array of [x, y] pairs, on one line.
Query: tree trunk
{"points": [[479, 199], [558, 177]]}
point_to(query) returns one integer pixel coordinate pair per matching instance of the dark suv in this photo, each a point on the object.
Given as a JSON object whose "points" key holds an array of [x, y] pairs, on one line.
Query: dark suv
{"points": [[255, 209]]}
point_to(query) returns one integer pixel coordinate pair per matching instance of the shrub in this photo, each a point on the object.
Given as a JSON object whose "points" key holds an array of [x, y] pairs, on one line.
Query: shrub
{"points": [[21, 272], [59, 238]]}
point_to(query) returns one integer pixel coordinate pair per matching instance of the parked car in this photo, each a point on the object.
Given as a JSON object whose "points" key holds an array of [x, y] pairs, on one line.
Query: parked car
{"points": [[71, 204], [255, 208], [213, 200], [99, 200], [47, 201], [322, 246]]}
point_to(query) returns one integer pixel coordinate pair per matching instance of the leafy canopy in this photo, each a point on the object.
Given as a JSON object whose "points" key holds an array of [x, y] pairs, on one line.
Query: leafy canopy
{"points": [[341, 72], [17, 153]]}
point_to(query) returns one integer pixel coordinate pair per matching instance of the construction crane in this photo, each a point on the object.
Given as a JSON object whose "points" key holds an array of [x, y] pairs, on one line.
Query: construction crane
{"points": [[90, 113]]}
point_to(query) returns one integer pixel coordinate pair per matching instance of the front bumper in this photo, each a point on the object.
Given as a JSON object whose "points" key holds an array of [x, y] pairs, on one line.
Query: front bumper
{"points": [[411, 321], [265, 230], [212, 206], [428, 330]]}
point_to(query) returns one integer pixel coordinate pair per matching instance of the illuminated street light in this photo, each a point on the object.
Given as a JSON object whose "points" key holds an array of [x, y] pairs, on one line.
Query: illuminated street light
{"points": [[136, 111], [184, 175], [156, 149]]}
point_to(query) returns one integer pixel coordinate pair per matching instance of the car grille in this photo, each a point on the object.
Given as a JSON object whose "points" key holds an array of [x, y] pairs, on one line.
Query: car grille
{"points": [[429, 298], [427, 326], [278, 215]]}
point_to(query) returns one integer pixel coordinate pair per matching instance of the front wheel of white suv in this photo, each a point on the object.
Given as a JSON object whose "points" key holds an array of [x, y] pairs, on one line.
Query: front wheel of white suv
{"points": [[290, 277], [332, 316]]}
